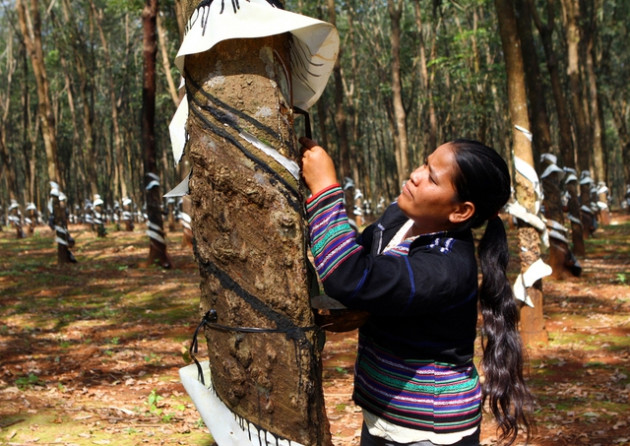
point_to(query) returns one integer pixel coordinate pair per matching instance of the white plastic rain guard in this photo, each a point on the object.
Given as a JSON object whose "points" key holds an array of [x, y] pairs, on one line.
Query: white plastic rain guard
{"points": [[226, 427]]}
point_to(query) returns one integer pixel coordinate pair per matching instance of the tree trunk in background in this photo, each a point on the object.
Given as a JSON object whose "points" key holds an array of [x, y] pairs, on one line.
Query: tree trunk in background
{"points": [[84, 68], [30, 25], [341, 124], [180, 15], [566, 150], [532, 321], [593, 58], [561, 259], [619, 112], [155, 226], [353, 97], [166, 64], [395, 8], [534, 81], [545, 30], [571, 15], [426, 79], [7, 166], [479, 95], [5, 155], [560, 256], [599, 165], [120, 187], [31, 131]]}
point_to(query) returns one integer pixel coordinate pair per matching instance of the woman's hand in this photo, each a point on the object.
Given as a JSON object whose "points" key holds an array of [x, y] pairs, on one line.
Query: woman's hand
{"points": [[318, 169]]}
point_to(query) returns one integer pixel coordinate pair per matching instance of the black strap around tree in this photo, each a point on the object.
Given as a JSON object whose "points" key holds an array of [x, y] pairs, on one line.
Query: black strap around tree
{"points": [[209, 320]]}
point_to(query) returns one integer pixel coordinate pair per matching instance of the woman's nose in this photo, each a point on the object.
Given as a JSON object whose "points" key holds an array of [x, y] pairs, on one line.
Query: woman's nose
{"points": [[416, 175]]}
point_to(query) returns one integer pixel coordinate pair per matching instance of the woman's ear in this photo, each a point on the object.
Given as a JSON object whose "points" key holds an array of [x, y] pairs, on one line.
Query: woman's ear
{"points": [[462, 212]]}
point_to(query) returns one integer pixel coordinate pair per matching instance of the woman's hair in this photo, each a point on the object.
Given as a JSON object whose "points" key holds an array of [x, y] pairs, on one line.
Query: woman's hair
{"points": [[482, 177]]}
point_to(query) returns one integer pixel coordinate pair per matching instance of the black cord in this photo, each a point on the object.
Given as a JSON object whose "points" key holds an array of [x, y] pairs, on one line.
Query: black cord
{"points": [[210, 320]]}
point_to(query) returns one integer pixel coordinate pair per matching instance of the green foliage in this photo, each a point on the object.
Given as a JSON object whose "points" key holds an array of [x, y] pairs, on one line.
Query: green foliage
{"points": [[52, 59], [30, 380], [118, 7], [155, 403], [152, 400], [152, 358]]}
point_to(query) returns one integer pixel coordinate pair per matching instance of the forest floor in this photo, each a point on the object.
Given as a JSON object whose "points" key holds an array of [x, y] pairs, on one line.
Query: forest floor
{"points": [[90, 352]]}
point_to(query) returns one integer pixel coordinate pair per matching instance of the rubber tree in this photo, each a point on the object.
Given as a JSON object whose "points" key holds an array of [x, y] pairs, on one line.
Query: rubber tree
{"points": [[155, 224], [249, 229], [532, 322], [30, 26]]}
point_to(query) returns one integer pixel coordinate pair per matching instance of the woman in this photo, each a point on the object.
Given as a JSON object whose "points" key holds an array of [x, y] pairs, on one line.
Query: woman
{"points": [[415, 271]]}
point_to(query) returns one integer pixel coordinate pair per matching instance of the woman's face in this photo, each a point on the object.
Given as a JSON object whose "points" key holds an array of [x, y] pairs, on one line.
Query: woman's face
{"points": [[429, 197]]}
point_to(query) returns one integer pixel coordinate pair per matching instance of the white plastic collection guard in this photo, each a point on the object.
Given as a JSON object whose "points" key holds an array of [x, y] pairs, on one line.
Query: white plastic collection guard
{"points": [[536, 271], [539, 268], [314, 51], [226, 427]]}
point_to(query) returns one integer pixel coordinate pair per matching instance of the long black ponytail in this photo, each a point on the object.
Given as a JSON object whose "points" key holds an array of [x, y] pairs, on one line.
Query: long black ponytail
{"points": [[484, 179]]}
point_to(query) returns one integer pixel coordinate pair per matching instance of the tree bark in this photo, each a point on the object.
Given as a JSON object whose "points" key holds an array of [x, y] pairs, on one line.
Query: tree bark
{"points": [[84, 68], [538, 107], [354, 98], [572, 17], [250, 235], [120, 186], [30, 26], [166, 65], [5, 155], [250, 238], [426, 80], [590, 34], [595, 107], [157, 249], [561, 259], [566, 149], [395, 8], [619, 110], [532, 321], [341, 123]]}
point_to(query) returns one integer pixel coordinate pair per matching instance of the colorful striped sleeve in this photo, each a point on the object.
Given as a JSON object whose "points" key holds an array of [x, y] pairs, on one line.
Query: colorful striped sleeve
{"points": [[333, 241]]}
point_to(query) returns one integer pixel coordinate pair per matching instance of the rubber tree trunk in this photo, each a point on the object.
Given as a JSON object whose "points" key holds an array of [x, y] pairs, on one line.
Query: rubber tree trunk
{"points": [[64, 241], [574, 212], [395, 8], [250, 239], [185, 220], [155, 225], [561, 258], [30, 25], [15, 218], [532, 321]]}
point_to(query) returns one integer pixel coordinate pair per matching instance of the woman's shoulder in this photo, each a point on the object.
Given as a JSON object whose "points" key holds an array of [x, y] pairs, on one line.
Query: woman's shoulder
{"points": [[446, 242]]}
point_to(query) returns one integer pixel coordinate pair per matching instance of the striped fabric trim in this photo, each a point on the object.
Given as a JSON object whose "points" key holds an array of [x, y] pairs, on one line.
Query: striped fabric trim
{"points": [[401, 249], [332, 238], [423, 395]]}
